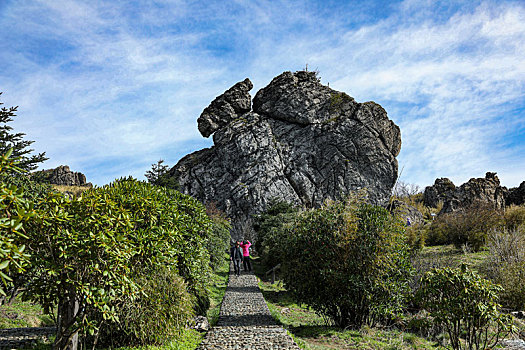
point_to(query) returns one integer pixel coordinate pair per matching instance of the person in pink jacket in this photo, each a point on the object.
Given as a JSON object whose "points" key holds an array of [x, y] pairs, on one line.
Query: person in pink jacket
{"points": [[247, 264]]}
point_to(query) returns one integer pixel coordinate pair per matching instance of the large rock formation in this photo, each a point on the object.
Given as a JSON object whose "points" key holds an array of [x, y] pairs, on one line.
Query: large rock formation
{"points": [[486, 190], [303, 142], [62, 175], [516, 195]]}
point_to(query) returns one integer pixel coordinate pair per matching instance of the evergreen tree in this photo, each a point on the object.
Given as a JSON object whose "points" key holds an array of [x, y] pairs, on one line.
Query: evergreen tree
{"points": [[9, 139], [158, 175]]}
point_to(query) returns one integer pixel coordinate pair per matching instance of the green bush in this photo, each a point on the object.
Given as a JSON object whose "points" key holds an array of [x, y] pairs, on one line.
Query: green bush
{"points": [[465, 304], [15, 210], [515, 217], [469, 226], [157, 315], [94, 254], [349, 261], [505, 265], [416, 237], [270, 226], [219, 240]]}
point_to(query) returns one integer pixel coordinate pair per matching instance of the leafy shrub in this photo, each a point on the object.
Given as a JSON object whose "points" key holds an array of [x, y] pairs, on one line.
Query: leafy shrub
{"points": [[157, 315], [505, 265], [469, 226], [515, 217], [465, 304], [218, 242], [349, 262], [168, 228], [15, 210], [270, 226], [415, 237], [91, 255]]}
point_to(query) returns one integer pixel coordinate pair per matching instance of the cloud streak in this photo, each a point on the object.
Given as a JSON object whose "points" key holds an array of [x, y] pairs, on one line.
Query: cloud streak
{"points": [[111, 88]]}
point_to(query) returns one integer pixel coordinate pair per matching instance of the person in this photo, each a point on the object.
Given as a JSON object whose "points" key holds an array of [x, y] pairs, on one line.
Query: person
{"points": [[245, 245], [236, 257]]}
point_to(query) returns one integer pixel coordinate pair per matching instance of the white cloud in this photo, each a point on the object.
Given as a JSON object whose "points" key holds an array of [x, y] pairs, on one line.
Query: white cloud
{"points": [[129, 83]]}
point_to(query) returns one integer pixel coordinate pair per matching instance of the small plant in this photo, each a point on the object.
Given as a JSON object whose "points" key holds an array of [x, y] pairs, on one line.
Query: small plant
{"points": [[466, 305]]}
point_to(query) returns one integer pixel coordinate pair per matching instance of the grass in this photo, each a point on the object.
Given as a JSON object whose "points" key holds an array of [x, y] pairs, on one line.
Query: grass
{"points": [[217, 290], [75, 190], [450, 256], [23, 314]]}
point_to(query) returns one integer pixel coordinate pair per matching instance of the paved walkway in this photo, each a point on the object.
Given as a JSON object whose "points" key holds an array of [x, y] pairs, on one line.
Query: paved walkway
{"points": [[245, 321]]}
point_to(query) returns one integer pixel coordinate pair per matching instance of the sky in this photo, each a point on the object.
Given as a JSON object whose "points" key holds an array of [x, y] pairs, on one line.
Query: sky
{"points": [[111, 87]]}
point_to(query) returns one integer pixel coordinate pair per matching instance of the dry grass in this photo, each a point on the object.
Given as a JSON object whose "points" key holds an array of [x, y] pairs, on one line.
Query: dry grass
{"points": [[74, 190]]}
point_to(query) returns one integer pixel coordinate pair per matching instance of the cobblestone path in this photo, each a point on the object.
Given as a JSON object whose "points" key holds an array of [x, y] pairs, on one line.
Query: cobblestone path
{"points": [[245, 321], [16, 338]]}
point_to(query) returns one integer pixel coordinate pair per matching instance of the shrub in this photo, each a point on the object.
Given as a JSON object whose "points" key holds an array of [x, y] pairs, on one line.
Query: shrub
{"points": [[515, 217], [469, 226], [15, 210], [466, 305], [349, 262], [416, 236], [157, 315], [270, 227], [218, 242], [91, 255], [505, 265]]}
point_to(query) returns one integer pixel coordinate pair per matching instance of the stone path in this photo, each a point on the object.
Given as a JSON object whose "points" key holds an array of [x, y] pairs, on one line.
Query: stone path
{"points": [[16, 338], [245, 321]]}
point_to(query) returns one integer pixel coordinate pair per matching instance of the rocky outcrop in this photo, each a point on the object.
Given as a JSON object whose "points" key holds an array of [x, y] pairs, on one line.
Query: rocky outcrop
{"points": [[225, 108], [303, 142], [61, 175], [442, 189], [516, 195], [410, 214], [476, 190]]}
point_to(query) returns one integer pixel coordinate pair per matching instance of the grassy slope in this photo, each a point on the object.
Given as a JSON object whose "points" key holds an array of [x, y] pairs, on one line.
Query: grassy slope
{"points": [[23, 314]]}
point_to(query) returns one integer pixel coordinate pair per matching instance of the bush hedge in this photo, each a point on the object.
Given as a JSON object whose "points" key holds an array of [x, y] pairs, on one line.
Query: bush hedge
{"points": [[349, 261], [95, 255]]}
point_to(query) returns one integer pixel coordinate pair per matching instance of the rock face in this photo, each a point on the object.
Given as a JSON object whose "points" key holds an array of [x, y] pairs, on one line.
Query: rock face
{"points": [[516, 195], [487, 190], [407, 212], [442, 189], [62, 175], [234, 102], [302, 142]]}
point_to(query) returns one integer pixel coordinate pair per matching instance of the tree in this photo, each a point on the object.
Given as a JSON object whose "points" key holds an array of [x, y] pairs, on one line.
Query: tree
{"points": [[158, 175], [15, 210], [15, 141]]}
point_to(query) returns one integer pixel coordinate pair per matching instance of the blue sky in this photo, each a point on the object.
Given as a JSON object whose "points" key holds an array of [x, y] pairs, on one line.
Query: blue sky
{"points": [[110, 87]]}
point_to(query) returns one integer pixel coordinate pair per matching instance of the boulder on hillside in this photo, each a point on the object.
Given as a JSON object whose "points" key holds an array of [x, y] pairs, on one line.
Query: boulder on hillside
{"points": [[476, 190], [442, 189], [230, 105], [61, 175], [303, 143]]}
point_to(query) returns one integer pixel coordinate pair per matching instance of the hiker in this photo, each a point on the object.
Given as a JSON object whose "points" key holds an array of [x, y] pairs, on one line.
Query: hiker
{"points": [[247, 264], [236, 257]]}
